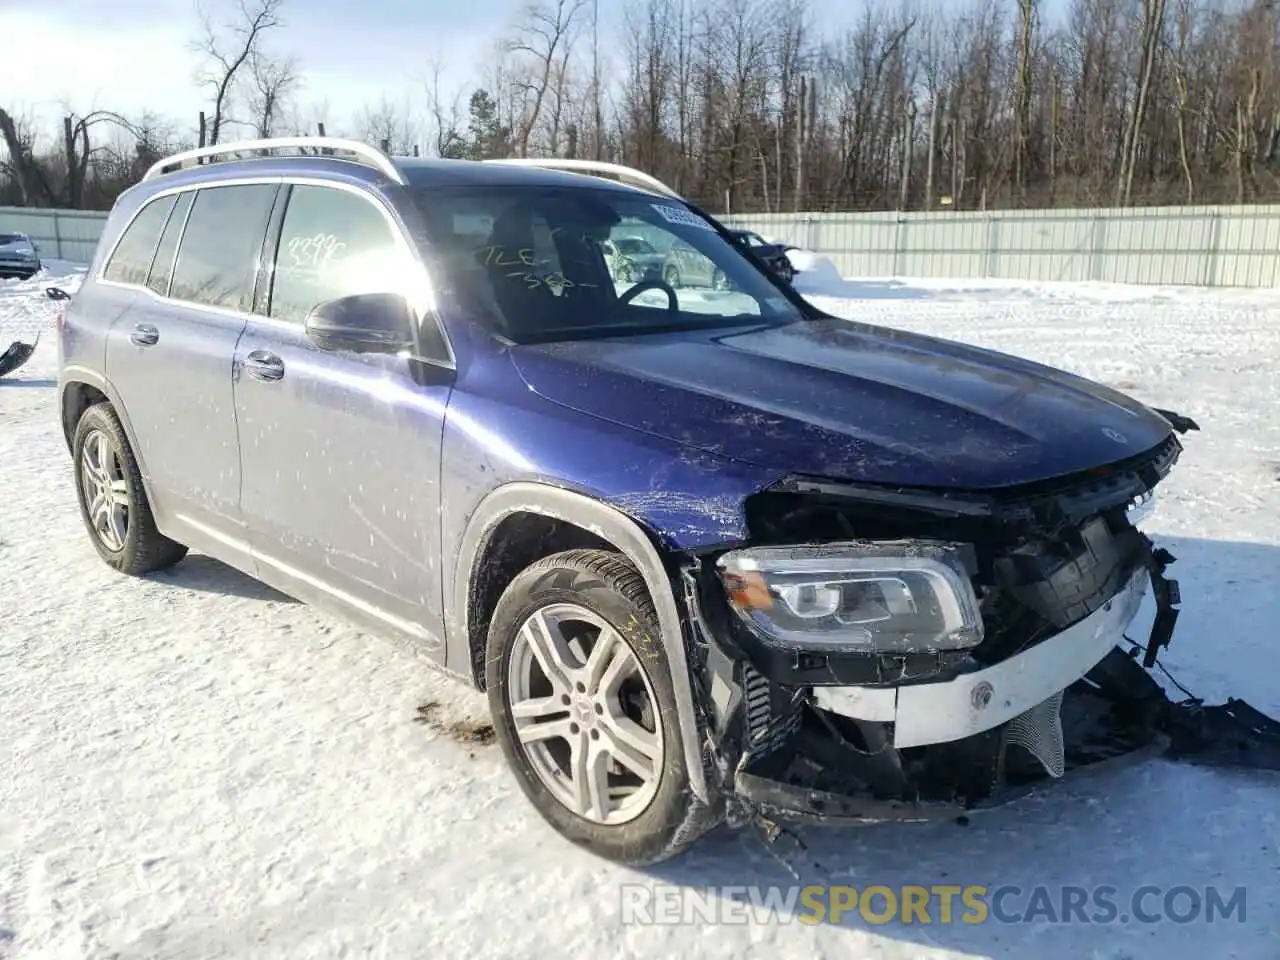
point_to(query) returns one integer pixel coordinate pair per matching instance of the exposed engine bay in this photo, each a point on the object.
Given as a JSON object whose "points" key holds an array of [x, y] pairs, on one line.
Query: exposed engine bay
{"points": [[971, 708]]}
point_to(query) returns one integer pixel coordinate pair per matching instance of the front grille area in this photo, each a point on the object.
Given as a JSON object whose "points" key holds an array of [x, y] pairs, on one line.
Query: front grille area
{"points": [[1039, 732], [772, 713], [1042, 587]]}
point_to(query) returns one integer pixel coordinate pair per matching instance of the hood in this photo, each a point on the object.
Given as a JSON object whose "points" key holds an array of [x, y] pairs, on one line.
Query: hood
{"points": [[848, 401]]}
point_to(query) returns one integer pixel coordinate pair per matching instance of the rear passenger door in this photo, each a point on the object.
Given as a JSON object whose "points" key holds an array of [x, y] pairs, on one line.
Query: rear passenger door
{"points": [[169, 354], [341, 451]]}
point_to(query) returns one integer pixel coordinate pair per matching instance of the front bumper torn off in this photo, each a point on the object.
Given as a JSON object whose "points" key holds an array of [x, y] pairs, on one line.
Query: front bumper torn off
{"points": [[1079, 703], [974, 702]]}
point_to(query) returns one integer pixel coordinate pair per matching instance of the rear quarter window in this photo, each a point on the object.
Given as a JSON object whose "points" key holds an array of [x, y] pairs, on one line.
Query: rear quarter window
{"points": [[131, 260], [162, 264]]}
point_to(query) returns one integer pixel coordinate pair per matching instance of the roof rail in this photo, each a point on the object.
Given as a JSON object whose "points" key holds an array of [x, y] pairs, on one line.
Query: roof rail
{"points": [[362, 152], [595, 168]]}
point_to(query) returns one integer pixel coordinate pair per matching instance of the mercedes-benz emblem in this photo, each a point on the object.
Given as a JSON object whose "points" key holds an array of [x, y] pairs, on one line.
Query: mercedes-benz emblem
{"points": [[1115, 435]]}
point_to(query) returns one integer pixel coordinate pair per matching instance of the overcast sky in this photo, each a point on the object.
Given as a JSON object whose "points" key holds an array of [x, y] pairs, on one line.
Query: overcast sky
{"points": [[134, 55]]}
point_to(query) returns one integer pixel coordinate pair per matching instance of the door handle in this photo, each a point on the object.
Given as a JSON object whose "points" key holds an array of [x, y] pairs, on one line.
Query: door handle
{"points": [[144, 335], [262, 365]]}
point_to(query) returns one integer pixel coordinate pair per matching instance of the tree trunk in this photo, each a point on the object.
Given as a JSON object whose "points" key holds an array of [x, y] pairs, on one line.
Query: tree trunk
{"points": [[1152, 31], [798, 201], [933, 147]]}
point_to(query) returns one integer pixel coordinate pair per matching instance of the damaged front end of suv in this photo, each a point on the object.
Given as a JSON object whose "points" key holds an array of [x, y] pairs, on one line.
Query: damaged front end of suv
{"points": [[887, 653]]}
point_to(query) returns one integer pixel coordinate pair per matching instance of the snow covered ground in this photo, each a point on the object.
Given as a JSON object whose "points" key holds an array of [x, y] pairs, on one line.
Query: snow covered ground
{"points": [[195, 766]]}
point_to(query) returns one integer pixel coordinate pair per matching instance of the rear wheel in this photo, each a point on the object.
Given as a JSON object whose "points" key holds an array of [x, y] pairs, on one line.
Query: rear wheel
{"points": [[113, 503], [585, 711], [672, 277]]}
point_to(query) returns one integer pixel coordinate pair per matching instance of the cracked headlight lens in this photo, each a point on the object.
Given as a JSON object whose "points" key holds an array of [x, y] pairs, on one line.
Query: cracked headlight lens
{"points": [[900, 597]]}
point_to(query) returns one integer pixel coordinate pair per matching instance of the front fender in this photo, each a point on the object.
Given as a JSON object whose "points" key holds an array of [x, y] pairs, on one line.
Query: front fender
{"points": [[624, 533]]}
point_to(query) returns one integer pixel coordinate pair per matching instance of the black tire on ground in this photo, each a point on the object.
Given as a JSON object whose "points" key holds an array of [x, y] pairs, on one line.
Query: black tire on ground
{"points": [[672, 277], [607, 585], [144, 548]]}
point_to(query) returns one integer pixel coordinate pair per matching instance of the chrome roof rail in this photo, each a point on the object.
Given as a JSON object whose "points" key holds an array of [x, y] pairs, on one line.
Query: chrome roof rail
{"points": [[596, 168], [302, 146]]}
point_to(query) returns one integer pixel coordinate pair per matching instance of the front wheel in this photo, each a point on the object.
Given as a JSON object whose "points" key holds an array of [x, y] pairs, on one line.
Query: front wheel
{"points": [[584, 708]]}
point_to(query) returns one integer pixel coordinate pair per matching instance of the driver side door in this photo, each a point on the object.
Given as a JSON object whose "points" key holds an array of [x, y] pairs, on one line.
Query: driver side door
{"points": [[341, 450]]}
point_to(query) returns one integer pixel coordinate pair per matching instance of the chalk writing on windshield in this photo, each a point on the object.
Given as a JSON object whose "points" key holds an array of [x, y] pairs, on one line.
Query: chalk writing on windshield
{"points": [[498, 256], [557, 282]]}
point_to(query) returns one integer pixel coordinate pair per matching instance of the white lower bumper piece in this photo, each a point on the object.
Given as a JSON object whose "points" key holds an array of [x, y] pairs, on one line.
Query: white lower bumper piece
{"points": [[973, 702]]}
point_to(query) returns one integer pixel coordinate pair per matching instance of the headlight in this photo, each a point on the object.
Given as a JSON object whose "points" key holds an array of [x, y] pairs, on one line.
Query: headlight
{"points": [[900, 597]]}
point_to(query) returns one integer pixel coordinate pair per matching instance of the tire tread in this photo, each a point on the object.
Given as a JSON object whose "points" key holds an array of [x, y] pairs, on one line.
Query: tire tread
{"points": [[149, 549], [618, 574]]}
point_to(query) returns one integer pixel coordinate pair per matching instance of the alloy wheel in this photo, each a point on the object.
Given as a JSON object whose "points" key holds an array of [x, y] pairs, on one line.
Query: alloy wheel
{"points": [[585, 714], [105, 492]]}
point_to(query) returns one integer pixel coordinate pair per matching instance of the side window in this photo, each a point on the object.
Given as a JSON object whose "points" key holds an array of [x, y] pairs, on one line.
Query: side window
{"points": [[131, 259], [332, 244], [221, 244], [162, 265]]}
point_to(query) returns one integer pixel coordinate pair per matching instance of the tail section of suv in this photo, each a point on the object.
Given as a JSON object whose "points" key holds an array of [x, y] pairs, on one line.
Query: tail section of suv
{"points": [[709, 551]]}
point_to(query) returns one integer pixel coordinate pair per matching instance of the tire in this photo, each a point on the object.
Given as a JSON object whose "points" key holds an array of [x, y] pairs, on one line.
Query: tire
{"points": [[602, 584], [719, 281], [671, 276], [141, 548]]}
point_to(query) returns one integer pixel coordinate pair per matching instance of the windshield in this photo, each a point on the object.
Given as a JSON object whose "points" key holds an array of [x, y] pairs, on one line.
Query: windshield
{"points": [[538, 264], [7, 238]]}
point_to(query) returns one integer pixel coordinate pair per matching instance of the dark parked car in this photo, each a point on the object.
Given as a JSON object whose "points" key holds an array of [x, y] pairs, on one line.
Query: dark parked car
{"points": [[773, 254], [19, 256], [710, 557]]}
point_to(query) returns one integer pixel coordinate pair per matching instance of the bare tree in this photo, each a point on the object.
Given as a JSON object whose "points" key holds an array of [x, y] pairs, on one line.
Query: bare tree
{"points": [[1152, 33], [272, 81], [387, 125], [227, 48], [543, 37], [1181, 79], [445, 114], [21, 167], [649, 82], [1027, 14], [743, 105], [78, 150]]}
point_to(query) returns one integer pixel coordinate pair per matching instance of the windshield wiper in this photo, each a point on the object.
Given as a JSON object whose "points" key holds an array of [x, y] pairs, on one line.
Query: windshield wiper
{"points": [[639, 330]]}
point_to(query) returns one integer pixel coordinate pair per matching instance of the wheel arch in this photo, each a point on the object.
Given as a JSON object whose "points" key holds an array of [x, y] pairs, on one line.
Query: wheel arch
{"points": [[79, 388], [599, 524]]}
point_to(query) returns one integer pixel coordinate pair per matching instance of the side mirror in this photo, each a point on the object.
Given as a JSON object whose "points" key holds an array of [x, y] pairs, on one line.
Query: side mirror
{"points": [[363, 323]]}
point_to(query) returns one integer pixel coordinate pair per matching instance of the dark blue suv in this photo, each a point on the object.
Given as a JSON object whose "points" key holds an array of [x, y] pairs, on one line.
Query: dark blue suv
{"points": [[712, 553]]}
